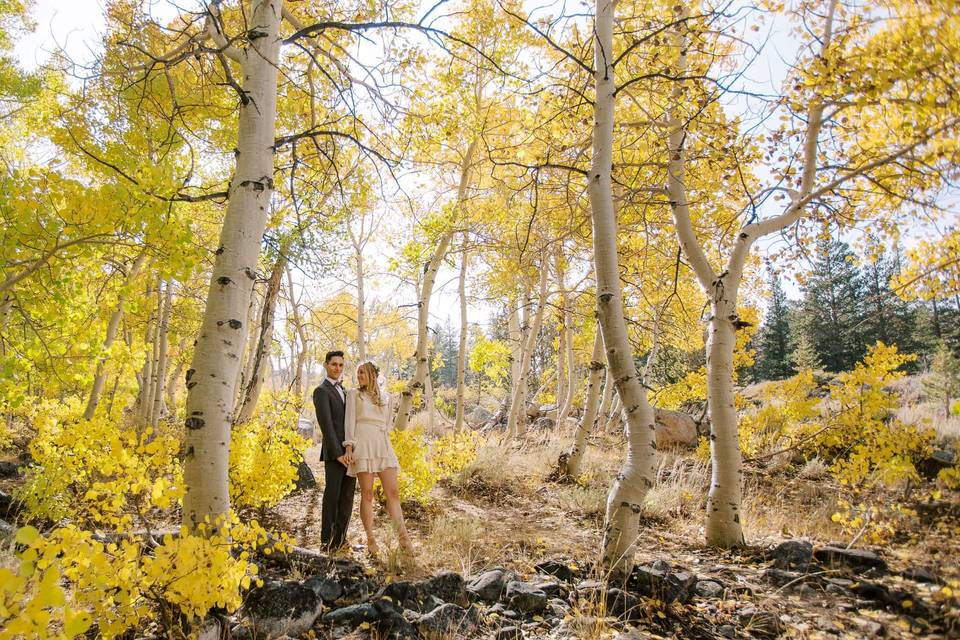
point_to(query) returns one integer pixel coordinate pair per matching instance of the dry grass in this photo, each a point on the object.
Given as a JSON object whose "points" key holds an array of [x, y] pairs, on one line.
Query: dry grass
{"points": [[932, 415], [680, 489]]}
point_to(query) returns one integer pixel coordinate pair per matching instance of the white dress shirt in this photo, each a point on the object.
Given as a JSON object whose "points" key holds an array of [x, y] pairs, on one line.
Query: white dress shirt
{"points": [[338, 388]]}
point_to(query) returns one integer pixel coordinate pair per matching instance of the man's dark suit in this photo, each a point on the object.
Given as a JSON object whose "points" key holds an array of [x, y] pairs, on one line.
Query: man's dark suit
{"points": [[339, 488]]}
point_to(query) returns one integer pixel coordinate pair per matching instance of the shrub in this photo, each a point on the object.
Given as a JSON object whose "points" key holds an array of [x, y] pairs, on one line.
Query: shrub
{"points": [[68, 579], [101, 474], [417, 475], [454, 451], [265, 453]]}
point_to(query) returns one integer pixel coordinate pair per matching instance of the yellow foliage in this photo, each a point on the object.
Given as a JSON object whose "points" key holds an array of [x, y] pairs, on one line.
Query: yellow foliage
{"points": [[99, 473], [788, 411], [265, 453], [417, 475], [68, 579], [868, 441], [454, 451]]}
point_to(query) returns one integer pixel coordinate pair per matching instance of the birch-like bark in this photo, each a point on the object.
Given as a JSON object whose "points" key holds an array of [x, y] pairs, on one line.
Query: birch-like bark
{"points": [[462, 346], [260, 361], [173, 382], [567, 407], [516, 345], [426, 290], [605, 401], [429, 401], [569, 463], [100, 375], [361, 315], [210, 389], [249, 340], [301, 332], [516, 423], [163, 343], [145, 393], [635, 478], [723, 522]]}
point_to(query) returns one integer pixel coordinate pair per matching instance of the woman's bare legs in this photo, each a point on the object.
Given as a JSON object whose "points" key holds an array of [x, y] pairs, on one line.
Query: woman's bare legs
{"points": [[365, 480], [388, 478]]}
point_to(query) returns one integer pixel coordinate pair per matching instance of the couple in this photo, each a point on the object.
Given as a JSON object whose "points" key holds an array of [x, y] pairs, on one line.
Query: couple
{"points": [[355, 426]]}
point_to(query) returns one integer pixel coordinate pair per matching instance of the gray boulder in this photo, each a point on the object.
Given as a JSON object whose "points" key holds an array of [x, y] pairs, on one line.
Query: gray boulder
{"points": [[525, 597], [282, 608]]}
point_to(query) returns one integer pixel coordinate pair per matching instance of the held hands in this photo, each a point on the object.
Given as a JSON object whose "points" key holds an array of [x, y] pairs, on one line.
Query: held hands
{"points": [[347, 458]]}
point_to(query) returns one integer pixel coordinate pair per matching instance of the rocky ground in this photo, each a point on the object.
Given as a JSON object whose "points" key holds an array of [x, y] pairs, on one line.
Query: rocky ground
{"points": [[502, 553]]}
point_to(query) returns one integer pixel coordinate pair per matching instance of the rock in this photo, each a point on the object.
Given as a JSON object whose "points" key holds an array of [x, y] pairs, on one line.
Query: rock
{"points": [[548, 410], [448, 586], [673, 429], [282, 608], [9, 505], [558, 607], [557, 569], [509, 633], [938, 460], [7, 531], [929, 512], [501, 609], [856, 559], [552, 589], [622, 603], [326, 589], [659, 581], [404, 593], [544, 424], [525, 597], [533, 411], [631, 634], [393, 626], [354, 614], [489, 585], [708, 589], [782, 578], [920, 574], [758, 622], [727, 631], [479, 414], [9, 469], [305, 478], [447, 620], [793, 554]]}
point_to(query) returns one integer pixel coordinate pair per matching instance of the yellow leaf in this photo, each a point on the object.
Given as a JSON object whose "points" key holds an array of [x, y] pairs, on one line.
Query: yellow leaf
{"points": [[26, 535]]}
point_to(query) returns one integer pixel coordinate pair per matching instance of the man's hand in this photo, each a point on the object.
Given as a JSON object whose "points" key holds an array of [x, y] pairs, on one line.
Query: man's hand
{"points": [[346, 459]]}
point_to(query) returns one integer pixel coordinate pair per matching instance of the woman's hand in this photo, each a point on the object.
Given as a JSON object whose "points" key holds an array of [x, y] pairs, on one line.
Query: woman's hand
{"points": [[347, 458]]}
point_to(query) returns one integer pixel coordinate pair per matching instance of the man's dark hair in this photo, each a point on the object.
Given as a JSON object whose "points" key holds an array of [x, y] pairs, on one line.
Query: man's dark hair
{"points": [[332, 354]]}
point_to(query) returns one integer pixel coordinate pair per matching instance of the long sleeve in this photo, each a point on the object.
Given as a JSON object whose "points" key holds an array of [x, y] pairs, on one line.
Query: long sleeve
{"points": [[391, 407], [325, 419], [350, 418]]}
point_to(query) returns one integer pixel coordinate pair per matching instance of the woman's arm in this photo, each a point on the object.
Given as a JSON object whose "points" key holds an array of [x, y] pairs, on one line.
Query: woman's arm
{"points": [[350, 418]]}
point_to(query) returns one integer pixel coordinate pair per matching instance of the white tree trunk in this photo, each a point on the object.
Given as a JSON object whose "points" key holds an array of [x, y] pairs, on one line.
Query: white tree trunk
{"points": [[174, 381], [570, 464], [260, 361], [606, 400], [564, 410], [429, 278], [625, 500], [516, 345], [361, 305], [462, 345], [210, 390], [163, 343], [100, 375], [516, 423], [249, 339], [145, 393], [301, 335]]}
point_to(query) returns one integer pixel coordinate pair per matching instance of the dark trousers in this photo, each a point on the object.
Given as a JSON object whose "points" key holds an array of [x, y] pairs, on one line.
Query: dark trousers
{"points": [[338, 493]]}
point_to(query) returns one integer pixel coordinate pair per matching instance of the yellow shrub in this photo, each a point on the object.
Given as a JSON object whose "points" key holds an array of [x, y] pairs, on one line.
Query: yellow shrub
{"points": [[870, 443], [101, 474], [454, 451], [788, 413], [417, 475], [67, 580], [265, 453]]}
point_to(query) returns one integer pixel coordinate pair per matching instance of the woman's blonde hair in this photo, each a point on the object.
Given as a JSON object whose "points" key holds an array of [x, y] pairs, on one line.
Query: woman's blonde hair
{"points": [[372, 388]]}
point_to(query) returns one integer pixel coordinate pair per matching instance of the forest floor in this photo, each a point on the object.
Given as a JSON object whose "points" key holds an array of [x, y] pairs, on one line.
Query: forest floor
{"points": [[503, 512]]}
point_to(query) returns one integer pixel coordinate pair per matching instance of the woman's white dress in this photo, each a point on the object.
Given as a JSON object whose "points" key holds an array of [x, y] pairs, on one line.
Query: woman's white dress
{"points": [[367, 427]]}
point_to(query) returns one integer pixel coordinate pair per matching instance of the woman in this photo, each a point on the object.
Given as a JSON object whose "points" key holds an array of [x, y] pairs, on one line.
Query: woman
{"points": [[368, 420]]}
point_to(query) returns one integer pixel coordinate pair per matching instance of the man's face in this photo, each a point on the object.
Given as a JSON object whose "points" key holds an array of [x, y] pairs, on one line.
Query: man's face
{"points": [[334, 367]]}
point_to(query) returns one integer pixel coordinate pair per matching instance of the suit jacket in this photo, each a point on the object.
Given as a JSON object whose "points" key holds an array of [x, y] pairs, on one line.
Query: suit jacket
{"points": [[330, 413]]}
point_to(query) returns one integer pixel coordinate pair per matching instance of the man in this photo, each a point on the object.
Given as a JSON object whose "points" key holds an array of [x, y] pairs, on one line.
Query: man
{"points": [[338, 490]]}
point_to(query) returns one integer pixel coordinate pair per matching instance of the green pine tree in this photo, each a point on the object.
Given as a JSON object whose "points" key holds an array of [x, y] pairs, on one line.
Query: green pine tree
{"points": [[772, 361], [831, 312]]}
